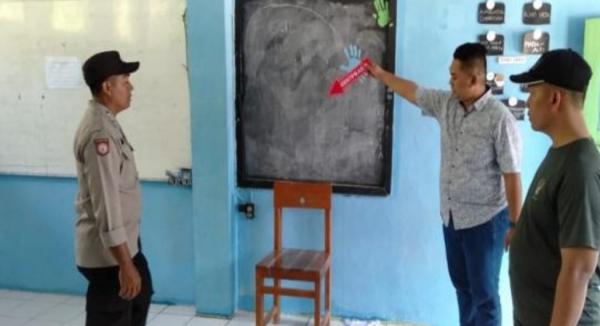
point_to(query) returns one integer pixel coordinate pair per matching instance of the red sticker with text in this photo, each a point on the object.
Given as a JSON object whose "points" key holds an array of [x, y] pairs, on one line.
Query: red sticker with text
{"points": [[102, 146], [340, 85]]}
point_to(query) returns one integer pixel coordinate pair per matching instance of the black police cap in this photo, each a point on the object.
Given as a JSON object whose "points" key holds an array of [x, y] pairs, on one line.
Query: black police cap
{"points": [[101, 66]]}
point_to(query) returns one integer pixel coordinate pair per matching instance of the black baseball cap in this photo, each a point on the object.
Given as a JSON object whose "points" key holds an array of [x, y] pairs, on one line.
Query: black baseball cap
{"points": [[563, 68], [102, 65]]}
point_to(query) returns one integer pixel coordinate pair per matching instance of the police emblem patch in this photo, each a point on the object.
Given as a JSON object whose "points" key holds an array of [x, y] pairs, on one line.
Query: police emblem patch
{"points": [[102, 146]]}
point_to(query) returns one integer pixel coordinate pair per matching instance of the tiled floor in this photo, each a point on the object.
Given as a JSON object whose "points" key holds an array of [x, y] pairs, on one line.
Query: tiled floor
{"points": [[39, 309]]}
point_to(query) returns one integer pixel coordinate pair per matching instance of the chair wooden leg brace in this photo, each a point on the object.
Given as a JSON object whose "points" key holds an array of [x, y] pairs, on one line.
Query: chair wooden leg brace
{"points": [[259, 299], [328, 297], [261, 289], [318, 302], [277, 291], [276, 300], [326, 318]]}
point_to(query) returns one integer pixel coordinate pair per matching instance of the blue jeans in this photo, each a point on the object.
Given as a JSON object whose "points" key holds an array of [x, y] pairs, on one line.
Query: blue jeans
{"points": [[474, 256]]}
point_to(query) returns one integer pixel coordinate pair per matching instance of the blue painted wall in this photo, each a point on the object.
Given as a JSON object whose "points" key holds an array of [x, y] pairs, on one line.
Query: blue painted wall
{"points": [[388, 259], [37, 231], [388, 253], [210, 59]]}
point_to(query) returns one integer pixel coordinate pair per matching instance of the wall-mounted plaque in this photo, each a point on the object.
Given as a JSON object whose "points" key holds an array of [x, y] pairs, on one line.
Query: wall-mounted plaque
{"points": [[494, 43], [517, 107], [537, 13], [491, 12], [495, 82], [536, 42]]}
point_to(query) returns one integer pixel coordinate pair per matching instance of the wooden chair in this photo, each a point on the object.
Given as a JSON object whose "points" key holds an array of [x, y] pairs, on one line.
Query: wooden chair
{"points": [[296, 264]]}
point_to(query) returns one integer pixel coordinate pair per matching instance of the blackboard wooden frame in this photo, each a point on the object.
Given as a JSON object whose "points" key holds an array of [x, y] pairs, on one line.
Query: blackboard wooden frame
{"points": [[249, 181]]}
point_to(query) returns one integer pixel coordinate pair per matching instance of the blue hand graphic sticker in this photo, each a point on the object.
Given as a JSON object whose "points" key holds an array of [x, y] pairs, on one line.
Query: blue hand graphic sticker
{"points": [[353, 55]]}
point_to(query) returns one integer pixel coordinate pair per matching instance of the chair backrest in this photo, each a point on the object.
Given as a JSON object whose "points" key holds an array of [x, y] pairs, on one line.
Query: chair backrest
{"points": [[292, 194]]}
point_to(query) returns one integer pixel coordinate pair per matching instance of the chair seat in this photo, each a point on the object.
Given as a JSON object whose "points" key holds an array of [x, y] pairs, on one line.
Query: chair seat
{"points": [[295, 264]]}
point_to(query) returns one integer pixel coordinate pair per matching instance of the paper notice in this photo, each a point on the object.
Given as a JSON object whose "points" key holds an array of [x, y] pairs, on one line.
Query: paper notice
{"points": [[63, 73]]}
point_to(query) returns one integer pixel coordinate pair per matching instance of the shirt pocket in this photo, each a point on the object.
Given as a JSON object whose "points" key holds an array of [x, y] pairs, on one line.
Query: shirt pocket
{"points": [[129, 174]]}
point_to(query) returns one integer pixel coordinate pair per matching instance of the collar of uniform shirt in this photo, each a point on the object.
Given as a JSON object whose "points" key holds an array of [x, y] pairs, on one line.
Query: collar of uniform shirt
{"points": [[102, 107]]}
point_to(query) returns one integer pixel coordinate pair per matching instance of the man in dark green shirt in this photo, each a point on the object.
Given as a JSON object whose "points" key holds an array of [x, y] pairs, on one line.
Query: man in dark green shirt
{"points": [[554, 271]]}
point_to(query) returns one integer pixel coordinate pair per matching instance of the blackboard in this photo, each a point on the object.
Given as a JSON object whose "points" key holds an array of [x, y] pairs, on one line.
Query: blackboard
{"points": [[288, 53]]}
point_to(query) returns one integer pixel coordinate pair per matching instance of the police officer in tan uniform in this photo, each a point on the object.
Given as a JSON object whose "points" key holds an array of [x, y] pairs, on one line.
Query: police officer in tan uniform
{"points": [[108, 204]]}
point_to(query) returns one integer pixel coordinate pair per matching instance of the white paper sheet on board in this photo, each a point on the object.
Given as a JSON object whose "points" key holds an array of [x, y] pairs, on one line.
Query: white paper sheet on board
{"points": [[63, 73]]}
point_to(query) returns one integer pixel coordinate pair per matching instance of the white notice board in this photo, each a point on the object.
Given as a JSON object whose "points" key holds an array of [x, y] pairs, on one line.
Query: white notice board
{"points": [[42, 94]]}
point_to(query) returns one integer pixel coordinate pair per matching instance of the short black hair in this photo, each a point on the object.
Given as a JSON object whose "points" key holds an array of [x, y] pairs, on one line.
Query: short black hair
{"points": [[471, 55]]}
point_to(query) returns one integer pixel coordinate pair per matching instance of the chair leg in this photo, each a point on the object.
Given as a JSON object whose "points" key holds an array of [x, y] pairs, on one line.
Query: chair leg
{"points": [[328, 294], [318, 302], [259, 298], [276, 301]]}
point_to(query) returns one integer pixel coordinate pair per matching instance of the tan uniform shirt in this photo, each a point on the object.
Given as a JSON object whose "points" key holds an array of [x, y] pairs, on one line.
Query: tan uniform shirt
{"points": [[108, 204]]}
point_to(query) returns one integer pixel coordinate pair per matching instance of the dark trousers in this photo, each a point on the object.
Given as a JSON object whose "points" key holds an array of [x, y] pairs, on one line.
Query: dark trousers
{"points": [[474, 256], [104, 307]]}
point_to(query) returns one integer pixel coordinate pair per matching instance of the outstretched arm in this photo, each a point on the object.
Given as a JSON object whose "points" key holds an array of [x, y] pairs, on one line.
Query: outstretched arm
{"points": [[405, 88]]}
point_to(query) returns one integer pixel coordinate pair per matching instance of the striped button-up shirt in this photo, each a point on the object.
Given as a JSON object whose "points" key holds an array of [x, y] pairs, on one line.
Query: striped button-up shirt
{"points": [[478, 146]]}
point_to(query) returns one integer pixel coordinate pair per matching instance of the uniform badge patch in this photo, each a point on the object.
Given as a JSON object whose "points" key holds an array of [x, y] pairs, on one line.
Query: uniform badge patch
{"points": [[102, 146]]}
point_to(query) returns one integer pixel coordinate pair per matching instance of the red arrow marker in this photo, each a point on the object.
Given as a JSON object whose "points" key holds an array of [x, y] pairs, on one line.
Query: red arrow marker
{"points": [[340, 85]]}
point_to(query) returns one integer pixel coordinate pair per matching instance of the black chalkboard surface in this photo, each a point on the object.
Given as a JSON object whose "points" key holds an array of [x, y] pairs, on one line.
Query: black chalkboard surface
{"points": [[288, 54]]}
